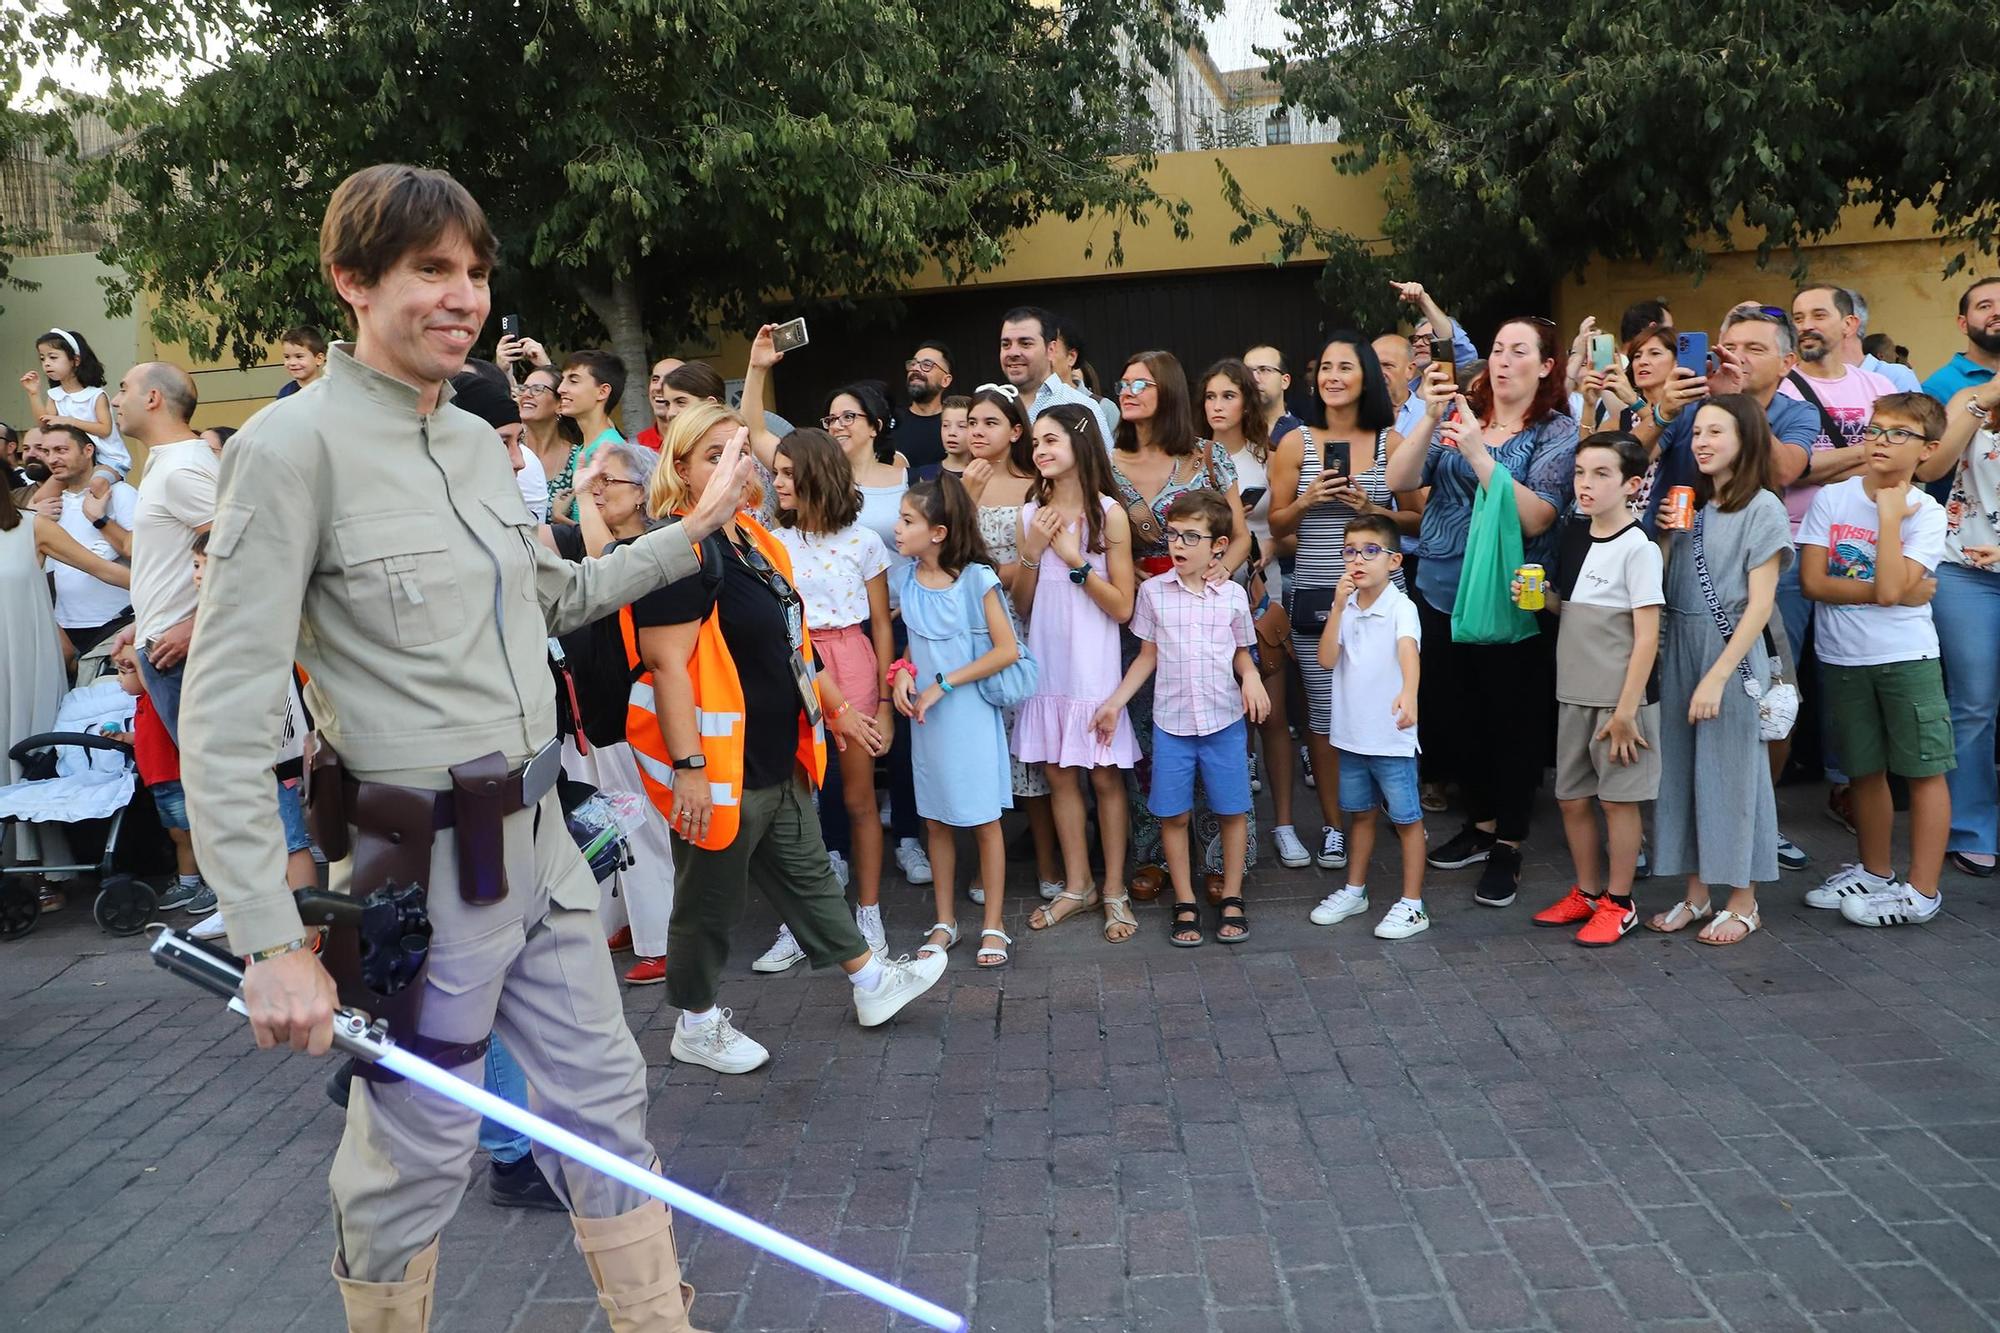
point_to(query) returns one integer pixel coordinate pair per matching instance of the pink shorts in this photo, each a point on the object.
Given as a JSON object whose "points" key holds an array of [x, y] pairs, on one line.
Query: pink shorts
{"points": [[849, 656]]}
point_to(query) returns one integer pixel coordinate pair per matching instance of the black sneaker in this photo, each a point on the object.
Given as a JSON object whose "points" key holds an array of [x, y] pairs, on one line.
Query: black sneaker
{"points": [[1468, 846], [521, 1185], [1500, 878]]}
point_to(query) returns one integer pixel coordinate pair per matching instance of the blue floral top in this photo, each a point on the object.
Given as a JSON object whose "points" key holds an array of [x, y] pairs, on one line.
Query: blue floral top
{"points": [[1542, 458]]}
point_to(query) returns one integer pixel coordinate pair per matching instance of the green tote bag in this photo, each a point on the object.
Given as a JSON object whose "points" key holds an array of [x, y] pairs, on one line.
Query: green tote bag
{"points": [[1485, 611]]}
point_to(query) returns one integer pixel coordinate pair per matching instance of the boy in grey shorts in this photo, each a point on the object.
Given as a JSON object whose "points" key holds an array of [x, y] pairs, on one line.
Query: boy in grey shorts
{"points": [[1607, 588]]}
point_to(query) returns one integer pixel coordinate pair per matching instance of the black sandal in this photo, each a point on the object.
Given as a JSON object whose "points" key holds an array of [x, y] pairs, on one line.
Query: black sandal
{"points": [[1187, 916], [1241, 919]]}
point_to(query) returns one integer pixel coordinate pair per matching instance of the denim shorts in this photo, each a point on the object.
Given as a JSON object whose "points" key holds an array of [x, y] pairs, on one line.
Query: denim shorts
{"points": [[1220, 757], [1369, 780], [293, 815], [170, 803]]}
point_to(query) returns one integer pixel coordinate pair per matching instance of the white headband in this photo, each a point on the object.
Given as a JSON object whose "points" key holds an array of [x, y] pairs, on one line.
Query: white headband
{"points": [[69, 338]]}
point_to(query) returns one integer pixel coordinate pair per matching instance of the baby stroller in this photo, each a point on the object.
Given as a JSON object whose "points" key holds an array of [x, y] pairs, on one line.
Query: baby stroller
{"points": [[79, 782]]}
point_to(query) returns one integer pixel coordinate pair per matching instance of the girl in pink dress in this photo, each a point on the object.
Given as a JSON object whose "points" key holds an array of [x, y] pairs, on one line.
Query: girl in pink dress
{"points": [[1076, 582]]}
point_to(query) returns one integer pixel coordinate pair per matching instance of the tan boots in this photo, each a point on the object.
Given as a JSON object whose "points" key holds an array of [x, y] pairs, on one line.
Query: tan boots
{"points": [[638, 1276], [390, 1307]]}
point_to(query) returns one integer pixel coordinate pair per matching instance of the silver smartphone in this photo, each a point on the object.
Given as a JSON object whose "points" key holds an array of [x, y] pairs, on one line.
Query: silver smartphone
{"points": [[786, 337]]}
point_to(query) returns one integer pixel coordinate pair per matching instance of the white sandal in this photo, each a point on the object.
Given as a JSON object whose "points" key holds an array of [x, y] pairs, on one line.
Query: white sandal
{"points": [[1672, 919], [1046, 915], [950, 939], [987, 952], [1751, 924]]}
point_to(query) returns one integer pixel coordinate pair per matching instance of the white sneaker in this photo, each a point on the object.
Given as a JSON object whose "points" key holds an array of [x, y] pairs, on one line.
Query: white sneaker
{"points": [[1897, 905], [1291, 852], [1332, 850], [1256, 778], [1850, 881], [839, 864], [718, 1045], [784, 952], [1337, 907], [903, 981], [1403, 919], [916, 863], [869, 921], [1047, 888], [209, 928]]}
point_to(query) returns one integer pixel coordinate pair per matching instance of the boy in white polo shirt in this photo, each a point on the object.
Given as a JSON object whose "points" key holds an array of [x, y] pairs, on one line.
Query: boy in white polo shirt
{"points": [[1867, 548], [1370, 645]]}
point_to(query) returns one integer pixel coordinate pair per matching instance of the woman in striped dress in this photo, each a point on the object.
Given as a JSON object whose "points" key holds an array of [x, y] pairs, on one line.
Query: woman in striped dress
{"points": [[1323, 475]]}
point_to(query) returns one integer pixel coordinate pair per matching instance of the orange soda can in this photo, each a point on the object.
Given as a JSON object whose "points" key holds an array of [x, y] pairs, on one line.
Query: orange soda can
{"points": [[1534, 582], [1677, 510]]}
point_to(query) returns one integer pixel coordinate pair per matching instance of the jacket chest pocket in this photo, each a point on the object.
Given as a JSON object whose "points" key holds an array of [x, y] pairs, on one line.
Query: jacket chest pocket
{"points": [[397, 572]]}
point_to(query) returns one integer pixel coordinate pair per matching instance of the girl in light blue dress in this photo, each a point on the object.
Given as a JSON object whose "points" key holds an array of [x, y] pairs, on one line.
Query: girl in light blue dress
{"points": [[950, 596]]}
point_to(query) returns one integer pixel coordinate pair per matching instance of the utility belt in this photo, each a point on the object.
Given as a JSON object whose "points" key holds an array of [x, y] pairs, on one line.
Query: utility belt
{"points": [[378, 938]]}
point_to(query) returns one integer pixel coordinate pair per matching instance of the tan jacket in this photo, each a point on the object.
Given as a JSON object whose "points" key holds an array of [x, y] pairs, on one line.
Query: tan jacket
{"points": [[390, 554]]}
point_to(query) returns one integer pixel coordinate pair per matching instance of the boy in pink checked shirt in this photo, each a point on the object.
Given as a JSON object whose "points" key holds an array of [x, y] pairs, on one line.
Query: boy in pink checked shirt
{"points": [[1195, 631]]}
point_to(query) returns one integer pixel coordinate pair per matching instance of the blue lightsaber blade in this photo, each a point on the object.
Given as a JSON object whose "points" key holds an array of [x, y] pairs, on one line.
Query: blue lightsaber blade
{"points": [[353, 1035]]}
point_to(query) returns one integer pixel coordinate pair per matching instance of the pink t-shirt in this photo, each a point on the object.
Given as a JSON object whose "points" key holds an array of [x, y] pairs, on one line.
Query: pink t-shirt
{"points": [[1849, 400]]}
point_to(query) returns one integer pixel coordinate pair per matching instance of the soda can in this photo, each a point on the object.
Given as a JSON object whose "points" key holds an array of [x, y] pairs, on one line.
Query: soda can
{"points": [[1534, 582], [1677, 510]]}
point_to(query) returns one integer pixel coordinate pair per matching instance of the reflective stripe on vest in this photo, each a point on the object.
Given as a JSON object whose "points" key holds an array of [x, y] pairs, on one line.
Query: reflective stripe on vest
{"points": [[720, 717]]}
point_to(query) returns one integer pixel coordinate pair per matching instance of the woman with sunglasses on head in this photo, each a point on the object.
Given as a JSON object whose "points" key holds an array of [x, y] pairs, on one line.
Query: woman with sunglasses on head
{"points": [[551, 437], [1159, 456], [1324, 475], [1487, 709]]}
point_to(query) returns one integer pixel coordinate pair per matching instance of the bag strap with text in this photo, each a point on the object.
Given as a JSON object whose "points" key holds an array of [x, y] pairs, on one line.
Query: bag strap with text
{"points": [[1750, 681]]}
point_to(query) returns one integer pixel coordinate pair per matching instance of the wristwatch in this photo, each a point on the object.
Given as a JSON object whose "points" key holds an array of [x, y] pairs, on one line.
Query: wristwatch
{"points": [[944, 684], [695, 760], [1080, 575], [103, 519]]}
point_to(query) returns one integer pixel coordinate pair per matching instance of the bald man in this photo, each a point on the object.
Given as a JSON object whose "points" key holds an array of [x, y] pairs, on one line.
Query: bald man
{"points": [[176, 503]]}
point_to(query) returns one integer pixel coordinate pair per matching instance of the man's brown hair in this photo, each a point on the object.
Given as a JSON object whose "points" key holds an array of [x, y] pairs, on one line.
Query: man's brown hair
{"points": [[381, 213]]}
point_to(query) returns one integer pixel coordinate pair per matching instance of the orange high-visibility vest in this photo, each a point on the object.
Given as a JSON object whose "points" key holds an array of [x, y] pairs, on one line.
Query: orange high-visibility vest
{"points": [[718, 712]]}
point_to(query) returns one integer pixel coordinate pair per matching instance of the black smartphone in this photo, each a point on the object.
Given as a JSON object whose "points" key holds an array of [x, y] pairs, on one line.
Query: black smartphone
{"points": [[1337, 457], [1251, 497], [510, 326], [1441, 353]]}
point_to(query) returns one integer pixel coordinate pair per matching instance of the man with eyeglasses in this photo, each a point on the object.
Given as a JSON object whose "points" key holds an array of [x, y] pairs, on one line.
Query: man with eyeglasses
{"points": [[1025, 332], [1267, 368], [916, 433], [1434, 323]]}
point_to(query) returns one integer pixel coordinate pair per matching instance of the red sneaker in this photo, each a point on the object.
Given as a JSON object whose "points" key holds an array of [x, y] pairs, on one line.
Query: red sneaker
{"points": [[647, 972], [1607, 925], [1575, 906], [621, 942]]}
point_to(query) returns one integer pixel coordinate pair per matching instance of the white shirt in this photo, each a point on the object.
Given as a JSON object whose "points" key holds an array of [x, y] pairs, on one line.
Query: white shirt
{"points": [[82, 406], [84, 602], [533, 479], [1843, 520], [1369, 676], [176, 499], [831, 571]]}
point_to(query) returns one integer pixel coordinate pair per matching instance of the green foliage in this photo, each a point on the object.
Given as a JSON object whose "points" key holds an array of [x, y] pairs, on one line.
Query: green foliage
{"points": [[674, 161], [1520, 138]]}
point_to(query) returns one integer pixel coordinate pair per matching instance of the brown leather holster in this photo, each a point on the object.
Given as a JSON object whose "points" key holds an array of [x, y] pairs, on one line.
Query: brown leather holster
{"points": [[482, 798]]}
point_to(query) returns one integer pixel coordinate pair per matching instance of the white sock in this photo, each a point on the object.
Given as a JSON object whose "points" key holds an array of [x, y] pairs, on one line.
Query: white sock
{"points": [[1417, 903], [1282, 828], [695, 1022], [191, 881], [1361, 889], [1877, 881], [870, 975]]}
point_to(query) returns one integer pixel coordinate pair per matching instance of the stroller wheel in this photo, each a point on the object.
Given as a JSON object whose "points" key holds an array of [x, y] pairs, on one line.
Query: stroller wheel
{"points": [[124, 905], [20, 905]]}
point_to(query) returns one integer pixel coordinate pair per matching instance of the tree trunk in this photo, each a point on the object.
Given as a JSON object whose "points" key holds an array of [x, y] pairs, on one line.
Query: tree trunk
{"points": [[618, 310]]}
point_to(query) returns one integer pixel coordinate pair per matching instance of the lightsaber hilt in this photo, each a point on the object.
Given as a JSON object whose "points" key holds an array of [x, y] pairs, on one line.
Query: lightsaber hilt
{"points": [[354, 1034]]}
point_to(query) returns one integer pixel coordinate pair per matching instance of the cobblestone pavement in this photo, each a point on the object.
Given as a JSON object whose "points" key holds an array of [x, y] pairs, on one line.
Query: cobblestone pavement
{"points": [[1481, 1128]]}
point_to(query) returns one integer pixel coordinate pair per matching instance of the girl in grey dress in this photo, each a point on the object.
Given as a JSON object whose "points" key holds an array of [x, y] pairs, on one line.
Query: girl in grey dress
{"points": [[1717, 820]]}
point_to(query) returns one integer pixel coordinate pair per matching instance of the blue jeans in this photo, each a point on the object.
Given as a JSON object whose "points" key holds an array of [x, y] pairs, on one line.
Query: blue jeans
{"points": [[164, 689], [504, 1080], [1389, 780], [1967, 613], [1797, 613]]}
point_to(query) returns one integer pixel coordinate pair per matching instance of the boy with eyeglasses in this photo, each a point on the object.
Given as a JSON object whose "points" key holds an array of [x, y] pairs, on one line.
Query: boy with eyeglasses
{"points": [[1608, 590], [1867, 549], [1371, 644]]}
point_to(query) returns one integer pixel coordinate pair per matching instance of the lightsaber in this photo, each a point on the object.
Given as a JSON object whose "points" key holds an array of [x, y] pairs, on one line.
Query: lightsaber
{"points": [[354, 1035]]}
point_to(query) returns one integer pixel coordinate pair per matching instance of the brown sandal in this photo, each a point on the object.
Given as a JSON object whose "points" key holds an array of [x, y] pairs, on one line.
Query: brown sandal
{"points": [[1146, 883]]}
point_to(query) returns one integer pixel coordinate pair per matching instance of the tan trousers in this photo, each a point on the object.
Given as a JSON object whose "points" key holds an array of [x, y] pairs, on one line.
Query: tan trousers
{"points": [[533, 968]]}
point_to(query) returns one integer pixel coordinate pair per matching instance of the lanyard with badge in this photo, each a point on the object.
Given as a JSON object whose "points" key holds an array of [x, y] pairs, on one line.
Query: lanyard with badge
{"points": [[795, 623]]}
